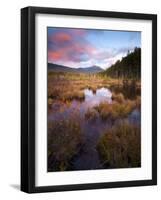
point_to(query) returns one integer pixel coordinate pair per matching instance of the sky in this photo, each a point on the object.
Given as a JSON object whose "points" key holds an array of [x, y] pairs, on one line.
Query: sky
{"points": [[87, 47]]}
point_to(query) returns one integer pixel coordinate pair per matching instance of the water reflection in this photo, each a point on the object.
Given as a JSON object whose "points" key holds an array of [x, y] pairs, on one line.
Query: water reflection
{"points": [[88, 158], [102, 94], [62, 111], [135, 117]]}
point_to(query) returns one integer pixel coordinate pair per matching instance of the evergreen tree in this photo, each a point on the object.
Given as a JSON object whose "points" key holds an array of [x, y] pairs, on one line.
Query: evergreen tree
{"points": [[128, 67]]}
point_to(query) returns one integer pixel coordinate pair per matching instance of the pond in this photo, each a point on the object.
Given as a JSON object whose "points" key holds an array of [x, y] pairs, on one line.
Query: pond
{"points": [[91, 99], [94, 98], [88, 157]]}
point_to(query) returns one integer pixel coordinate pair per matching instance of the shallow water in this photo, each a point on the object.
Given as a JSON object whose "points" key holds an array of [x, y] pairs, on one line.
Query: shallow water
{"points": [[92, 99], [88, 158], [102, 94]]}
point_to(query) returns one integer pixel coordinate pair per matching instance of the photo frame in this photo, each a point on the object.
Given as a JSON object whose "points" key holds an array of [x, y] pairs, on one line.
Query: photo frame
{"points": [[54, 37]]}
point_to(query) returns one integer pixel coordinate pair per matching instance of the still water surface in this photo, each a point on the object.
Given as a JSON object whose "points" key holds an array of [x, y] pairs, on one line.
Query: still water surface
{"points": [[88, 158]]}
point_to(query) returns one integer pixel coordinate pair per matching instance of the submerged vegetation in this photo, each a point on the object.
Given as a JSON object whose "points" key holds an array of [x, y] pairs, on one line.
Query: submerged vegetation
{"points": [[120, 146]]}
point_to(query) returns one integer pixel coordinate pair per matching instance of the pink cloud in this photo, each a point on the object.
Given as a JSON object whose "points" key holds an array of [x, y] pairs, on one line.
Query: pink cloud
{"points": [[69, 46], [61, 37]]}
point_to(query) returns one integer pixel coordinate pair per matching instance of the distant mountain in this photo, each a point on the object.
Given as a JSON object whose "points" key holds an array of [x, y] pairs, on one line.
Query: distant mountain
{"points": [[61, 68], [92, 69]]}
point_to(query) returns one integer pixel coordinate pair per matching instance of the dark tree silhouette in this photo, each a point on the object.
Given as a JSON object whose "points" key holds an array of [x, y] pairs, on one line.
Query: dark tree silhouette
{"points": [[128, 67]]}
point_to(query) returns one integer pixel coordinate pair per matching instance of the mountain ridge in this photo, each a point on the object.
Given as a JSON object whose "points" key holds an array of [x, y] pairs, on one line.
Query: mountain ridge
{"points": [[62, 68]]}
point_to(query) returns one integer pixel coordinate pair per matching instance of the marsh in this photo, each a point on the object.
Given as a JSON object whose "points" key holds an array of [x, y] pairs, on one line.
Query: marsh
{"points": [[93, 99], [102, 106]]}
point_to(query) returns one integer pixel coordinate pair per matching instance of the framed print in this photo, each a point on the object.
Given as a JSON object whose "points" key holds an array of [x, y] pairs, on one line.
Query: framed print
{"points": [[88, 99]]}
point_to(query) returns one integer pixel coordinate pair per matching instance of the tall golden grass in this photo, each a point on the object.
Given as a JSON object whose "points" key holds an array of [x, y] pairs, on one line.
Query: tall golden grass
{"points": [[69, 86], [118, 147], [64, 141], [121, 146]]}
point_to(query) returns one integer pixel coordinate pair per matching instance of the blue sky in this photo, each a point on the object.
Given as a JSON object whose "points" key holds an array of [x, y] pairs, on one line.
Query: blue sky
{"points": [[86, 47]]}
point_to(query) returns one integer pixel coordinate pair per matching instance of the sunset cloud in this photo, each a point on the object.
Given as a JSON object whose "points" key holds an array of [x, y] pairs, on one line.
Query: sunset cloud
{"points": [[61, 37], [69, 46], [83, 48]]}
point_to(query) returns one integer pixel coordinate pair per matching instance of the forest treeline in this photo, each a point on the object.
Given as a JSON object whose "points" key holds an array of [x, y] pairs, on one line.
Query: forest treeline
{"points": [[128, 67]]}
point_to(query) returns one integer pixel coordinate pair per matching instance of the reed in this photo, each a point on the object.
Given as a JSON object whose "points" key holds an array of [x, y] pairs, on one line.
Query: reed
{"points": [[121, 146]]}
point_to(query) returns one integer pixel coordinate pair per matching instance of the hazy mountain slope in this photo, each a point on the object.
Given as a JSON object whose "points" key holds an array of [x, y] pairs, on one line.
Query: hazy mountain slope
{"points": [[61, 68]]}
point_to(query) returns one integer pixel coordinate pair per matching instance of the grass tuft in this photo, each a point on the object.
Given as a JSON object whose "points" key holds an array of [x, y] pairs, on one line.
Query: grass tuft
{"points": [[118, 97], [115, 110], [121, 146], [64, 139], [91, 114]]}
